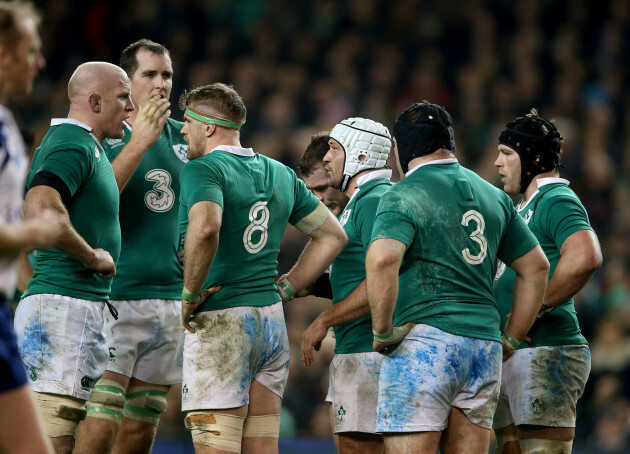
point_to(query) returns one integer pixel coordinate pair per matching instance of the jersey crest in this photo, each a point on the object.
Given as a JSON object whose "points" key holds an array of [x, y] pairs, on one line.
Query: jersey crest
{"points": [[344, 217], [528, 216], [161, 198], [180, 151]]}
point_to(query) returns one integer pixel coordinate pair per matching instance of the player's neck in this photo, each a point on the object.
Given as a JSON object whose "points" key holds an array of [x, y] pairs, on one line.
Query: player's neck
{"points": [[533, 185]]}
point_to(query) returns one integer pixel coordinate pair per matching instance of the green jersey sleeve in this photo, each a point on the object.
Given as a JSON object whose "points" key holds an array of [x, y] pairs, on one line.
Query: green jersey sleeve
{"points": [[72, 166], [392, 221], [201, 182], [518, 239], [305, 202], [566, 218]]}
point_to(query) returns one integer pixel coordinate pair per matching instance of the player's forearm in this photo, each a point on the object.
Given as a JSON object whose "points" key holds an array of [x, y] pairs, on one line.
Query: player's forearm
{"points": [[199, 252], [126, 163], [351, 308], [529, 291], [382, 287], [70, 241], [13, 239]]}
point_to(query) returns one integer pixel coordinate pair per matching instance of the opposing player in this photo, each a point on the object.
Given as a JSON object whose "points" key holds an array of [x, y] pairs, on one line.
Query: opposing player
{"points": [[440, 229], [545, 377], [356, 161], [147, 162], [237, 340], [20, 60], [315, 176], [59, 321]]}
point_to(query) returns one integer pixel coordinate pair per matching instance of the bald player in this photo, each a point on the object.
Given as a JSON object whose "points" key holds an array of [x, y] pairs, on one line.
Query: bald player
{"points": [[59, 321]]}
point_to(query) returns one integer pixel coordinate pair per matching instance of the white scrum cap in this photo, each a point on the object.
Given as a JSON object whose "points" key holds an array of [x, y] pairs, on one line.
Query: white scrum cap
{"points": [[362, 137]]}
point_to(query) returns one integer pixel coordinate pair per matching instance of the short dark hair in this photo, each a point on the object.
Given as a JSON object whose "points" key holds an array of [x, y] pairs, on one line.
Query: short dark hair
{"points": [[314, 154], [10, 13], [218, 96], [128, 59]]}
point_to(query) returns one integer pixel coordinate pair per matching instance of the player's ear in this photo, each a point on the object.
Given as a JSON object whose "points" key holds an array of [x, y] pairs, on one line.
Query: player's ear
{"points": [[209, 130], [95, 102]]}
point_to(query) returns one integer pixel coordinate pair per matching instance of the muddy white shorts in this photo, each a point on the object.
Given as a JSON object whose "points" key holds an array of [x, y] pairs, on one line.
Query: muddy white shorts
{"points": [[143, 341], [541, 386], [230, 348], [432, 371], [62, 343], [353, 391]]}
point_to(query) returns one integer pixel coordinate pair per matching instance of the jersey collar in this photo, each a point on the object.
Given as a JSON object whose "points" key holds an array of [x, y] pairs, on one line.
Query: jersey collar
{"points": [[80, 124], [434, 162], [235, 150], [540, 183], [70, 121], [371, 176]]}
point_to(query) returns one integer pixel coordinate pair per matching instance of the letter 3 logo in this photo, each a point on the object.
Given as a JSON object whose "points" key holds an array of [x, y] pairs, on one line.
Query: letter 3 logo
{"points": [[162, 197]]}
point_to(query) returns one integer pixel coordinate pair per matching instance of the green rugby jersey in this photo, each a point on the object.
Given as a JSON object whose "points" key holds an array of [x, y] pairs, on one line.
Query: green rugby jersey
{"points": [[259, 197], [348, 269], [454, 225], [148, 267], [74, 154], [553, 214]]}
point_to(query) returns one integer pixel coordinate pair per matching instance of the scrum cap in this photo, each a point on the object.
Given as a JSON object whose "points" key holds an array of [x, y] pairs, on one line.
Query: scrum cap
{"points": [[359, 138], [420, 130], [537, 142]]}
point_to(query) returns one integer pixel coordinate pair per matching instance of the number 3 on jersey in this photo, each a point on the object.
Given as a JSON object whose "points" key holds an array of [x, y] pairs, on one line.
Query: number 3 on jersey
{"points": [[476, 236], [259, 220]]}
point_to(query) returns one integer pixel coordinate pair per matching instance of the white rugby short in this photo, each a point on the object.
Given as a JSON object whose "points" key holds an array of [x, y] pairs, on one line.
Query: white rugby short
{"points": [[62, 342], [230, 348], [541, 386], [353, 391], [432, 371], [142, 343]]}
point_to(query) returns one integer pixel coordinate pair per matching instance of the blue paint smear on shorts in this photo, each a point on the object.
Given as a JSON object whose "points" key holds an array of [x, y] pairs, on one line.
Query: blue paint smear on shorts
{"points": [[35, 347]]}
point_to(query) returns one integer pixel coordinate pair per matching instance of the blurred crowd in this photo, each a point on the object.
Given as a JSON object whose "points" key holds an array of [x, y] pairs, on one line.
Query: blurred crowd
{"points": [[301, 67]]}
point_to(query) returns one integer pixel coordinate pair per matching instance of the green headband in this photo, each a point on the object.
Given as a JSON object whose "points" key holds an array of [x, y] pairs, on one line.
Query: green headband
{"points": [[206, 118]]}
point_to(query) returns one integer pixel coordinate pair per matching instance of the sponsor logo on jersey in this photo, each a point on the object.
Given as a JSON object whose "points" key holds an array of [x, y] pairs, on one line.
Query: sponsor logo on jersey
{"points": [[499, 270], [161, 198], [114, 143], [180, 151], [344, 217], [528, 216]]}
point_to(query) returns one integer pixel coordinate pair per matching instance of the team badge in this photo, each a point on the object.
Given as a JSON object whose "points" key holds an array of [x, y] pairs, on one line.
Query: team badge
{"points": [[344, 217], [528, 216], [180, 151]]}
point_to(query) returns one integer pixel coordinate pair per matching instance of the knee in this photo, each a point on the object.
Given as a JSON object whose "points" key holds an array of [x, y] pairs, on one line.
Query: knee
{"points": [[219, 431], [107, 401], [146, 403], [61, 415]]}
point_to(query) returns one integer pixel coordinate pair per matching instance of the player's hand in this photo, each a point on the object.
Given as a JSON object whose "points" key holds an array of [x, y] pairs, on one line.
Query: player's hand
{"points": [[188, 308], [399, 334], [46, 228], [149, 122], [103, 263], [312, 339], [507, 351]]}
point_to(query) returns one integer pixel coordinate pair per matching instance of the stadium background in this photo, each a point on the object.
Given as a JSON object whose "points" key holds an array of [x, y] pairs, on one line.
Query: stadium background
{"points": [[302, 66]]}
